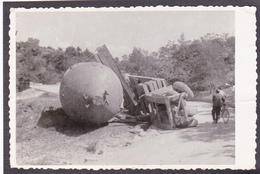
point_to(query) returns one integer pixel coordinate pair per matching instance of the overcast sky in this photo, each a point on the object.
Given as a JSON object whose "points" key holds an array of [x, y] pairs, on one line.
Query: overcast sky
{"points": [[122, 30]]}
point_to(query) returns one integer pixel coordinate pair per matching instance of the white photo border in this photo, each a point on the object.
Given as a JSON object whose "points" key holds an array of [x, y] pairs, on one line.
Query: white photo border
{"points": [[245, 81]]}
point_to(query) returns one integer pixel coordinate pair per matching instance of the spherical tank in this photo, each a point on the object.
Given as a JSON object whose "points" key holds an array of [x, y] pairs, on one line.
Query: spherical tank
{"points": [[90, 93]]}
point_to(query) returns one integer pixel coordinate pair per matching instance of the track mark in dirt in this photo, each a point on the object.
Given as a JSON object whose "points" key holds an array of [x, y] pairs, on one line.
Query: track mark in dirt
{"points": [[229, 146]]}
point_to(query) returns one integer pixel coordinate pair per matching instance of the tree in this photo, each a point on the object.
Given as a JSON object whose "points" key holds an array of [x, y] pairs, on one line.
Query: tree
{"points": [[216, 51], [89, 56], [79, 51], [205, 63], [166, 52], [71, 51], [25, 57]]}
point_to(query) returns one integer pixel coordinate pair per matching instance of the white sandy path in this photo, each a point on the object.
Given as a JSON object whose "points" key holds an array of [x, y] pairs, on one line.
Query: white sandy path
{"points": [[170, 148], [48, 88], [166, 147], [37, 89]]}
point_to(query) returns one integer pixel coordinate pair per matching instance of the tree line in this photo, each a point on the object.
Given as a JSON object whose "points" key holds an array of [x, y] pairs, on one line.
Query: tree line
{"points": [[45, 64], [203, 64]]}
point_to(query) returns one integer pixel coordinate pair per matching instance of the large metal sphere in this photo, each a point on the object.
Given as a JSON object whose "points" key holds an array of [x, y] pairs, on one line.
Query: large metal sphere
{"points": [[90, 93]]}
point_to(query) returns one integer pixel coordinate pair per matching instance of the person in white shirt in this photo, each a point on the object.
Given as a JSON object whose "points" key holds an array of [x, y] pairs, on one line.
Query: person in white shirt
{"points": [[224, 95]]}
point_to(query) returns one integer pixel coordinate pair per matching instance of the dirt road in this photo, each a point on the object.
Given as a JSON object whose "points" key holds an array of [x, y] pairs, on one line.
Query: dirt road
{"points": [[206, 144], [116, 143]]}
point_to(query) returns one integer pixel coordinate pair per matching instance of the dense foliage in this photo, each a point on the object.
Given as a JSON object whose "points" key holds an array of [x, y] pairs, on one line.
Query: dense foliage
{"points": [[202, 64], [46, 65]]}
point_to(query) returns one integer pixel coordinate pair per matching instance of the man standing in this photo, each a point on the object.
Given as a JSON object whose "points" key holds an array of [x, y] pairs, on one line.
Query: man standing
{"points": [[218, 100]]}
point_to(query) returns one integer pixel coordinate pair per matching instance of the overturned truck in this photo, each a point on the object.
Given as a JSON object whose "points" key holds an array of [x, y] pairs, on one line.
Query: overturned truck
{"points": [[164, 104], [92, 93]]}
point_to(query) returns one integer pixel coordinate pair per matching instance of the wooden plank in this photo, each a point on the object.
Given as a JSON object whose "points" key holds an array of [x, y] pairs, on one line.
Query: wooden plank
{"points": [[183, 107], [157, 113], [165, 91], [163, 83], [169, 112], [154, 85], [155, 98], [103, 58], [144, 105], [149, 86], [106, 58], [144, 78], [159, 84], [144, 87], [98, 59], [150, 83], [173, 98]]}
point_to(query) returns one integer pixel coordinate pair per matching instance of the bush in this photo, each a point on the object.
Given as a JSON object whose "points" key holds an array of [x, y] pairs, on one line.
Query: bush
{"points": [[46, 65]]}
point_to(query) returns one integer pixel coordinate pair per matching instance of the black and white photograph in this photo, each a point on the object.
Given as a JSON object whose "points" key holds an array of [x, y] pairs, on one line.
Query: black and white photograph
{"points": [[144, 87]]}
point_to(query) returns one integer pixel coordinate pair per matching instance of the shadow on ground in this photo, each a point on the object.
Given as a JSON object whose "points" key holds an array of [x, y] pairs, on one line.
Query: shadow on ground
{"points": [[209, 132], [62, 123]]}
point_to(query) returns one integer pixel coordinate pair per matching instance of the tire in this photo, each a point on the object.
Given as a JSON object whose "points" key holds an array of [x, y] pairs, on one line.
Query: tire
{"points": [[225, 116], [181, 87]]}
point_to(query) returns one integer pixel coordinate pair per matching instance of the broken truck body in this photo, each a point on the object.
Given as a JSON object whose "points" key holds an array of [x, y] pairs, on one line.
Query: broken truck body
{"points": [[92, 94], [165, 106]]}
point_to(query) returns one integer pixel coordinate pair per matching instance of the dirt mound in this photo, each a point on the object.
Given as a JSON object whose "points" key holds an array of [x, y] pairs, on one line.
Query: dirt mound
{"points": [[43, 129]]}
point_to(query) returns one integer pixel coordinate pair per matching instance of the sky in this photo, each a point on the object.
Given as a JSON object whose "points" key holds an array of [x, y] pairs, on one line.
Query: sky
{"points": [[120, 31]]}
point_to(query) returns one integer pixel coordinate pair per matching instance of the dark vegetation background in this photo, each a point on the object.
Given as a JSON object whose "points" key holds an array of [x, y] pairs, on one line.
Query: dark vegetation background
{"points": [[202, 64]]}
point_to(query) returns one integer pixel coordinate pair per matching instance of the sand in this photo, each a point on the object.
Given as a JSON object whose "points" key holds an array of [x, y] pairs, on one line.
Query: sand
{"points": [[63, 142]]}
